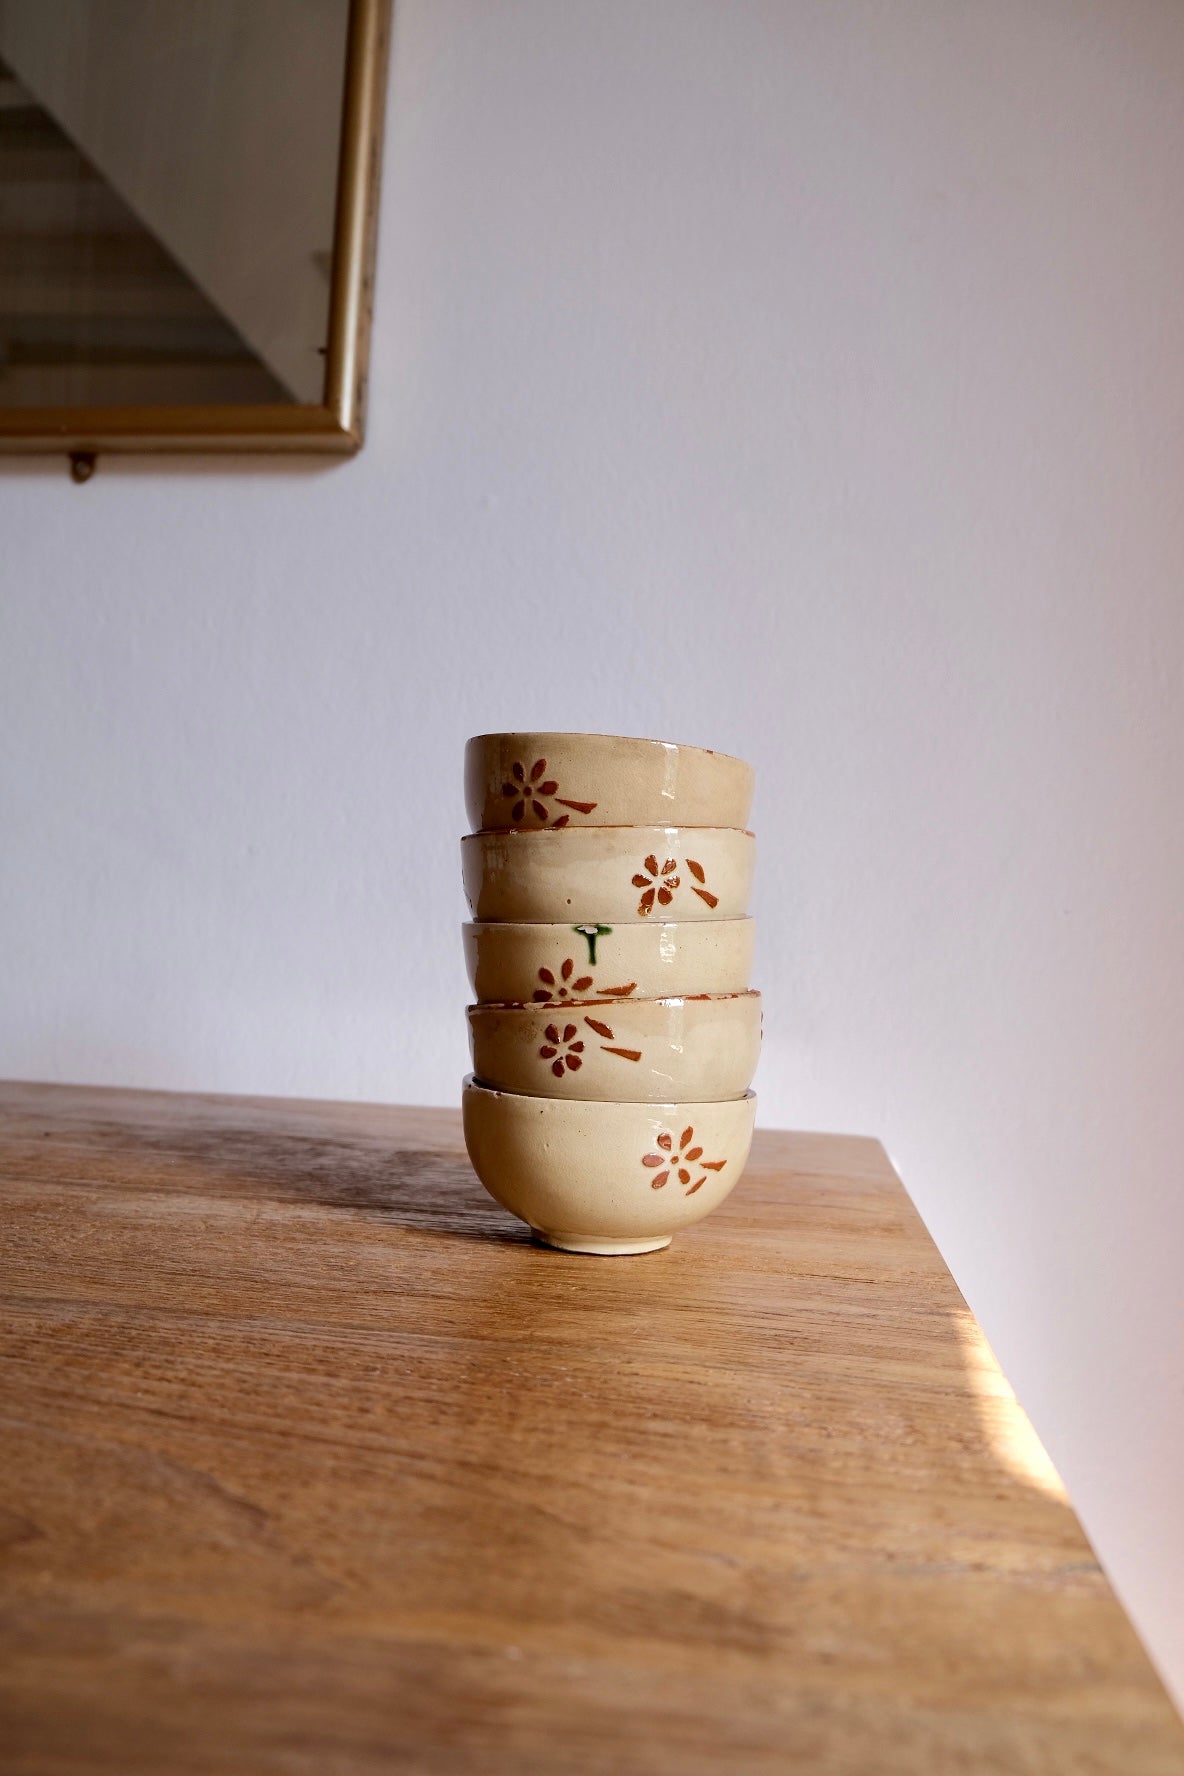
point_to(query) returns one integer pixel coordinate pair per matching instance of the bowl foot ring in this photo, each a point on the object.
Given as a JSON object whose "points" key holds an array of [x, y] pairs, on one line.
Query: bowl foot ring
{"points": [[601, 1248]]}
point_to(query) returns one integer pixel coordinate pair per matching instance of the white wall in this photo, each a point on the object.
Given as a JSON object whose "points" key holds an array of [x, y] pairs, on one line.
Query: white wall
{"points": [[803, 379]]}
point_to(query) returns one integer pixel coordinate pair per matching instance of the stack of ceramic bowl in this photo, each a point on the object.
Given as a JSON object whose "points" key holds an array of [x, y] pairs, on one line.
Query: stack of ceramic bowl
{"points": [[614, 1036]]}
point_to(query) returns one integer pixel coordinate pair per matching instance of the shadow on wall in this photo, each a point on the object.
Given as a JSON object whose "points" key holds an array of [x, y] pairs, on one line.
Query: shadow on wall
{"points": [[163, 464]]}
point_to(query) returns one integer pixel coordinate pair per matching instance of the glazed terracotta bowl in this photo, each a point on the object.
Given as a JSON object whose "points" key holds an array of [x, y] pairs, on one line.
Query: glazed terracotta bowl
{"points": [[640, 1051], [650, 959], [611, 1178], [557, 780], [608, 875]]}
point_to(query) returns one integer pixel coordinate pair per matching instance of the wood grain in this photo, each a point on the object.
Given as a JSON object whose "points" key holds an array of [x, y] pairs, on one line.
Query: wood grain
{"points": [[312, 1463]]}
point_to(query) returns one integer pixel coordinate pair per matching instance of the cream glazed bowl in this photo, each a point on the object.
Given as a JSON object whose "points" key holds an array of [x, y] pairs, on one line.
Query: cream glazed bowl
{"points": [[537, 780], [651, 959], [608, 874], [648, 1051], [609, 1178]]}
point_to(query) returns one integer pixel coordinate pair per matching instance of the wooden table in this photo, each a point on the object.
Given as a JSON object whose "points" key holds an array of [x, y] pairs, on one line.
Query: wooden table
{"points": [[313, 1463]]}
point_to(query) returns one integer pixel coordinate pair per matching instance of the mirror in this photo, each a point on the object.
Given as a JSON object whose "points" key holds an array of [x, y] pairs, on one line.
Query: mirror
{"points": [[187, 211]]}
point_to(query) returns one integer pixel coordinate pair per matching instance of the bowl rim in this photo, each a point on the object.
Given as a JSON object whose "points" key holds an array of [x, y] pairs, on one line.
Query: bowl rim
{"points": [[471, 1083], [549, 734], [473, 925], [557, 1006], [566, 832]]}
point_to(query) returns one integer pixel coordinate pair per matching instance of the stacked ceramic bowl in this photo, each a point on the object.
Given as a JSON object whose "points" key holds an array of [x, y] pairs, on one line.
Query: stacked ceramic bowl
{"points": [[614, 1036]]}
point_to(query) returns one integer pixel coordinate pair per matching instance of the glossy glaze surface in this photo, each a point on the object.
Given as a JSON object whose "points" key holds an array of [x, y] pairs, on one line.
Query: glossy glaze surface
{"points": [[535, 780], [608, 875], [606, 1177], [646, 959], [635, 1050]]}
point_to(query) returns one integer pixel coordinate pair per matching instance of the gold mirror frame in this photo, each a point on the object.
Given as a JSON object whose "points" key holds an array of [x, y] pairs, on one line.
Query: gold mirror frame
{"points": [[337, 425]]}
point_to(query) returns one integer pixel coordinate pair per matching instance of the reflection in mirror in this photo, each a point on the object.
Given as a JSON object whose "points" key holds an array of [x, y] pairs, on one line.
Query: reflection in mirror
{"points": [[96, 310], [170, 177]]}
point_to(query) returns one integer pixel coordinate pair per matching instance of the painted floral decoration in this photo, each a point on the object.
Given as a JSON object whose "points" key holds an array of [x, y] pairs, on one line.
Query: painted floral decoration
{"points": [[554, 991], [562, 1049], [565, 1051], [700, 876], [590, 933], [657, 884], [562, 988], [683, 1160], [533, 789], [603, 1029]]}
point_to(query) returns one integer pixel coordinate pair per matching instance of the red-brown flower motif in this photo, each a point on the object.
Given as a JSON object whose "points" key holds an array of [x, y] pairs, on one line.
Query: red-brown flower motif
{"points": [[564, 987], [533, 789], [683, 1160], [657, 884], [603, 1029], [700, 875], [562, 1049], [553, 991]]}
